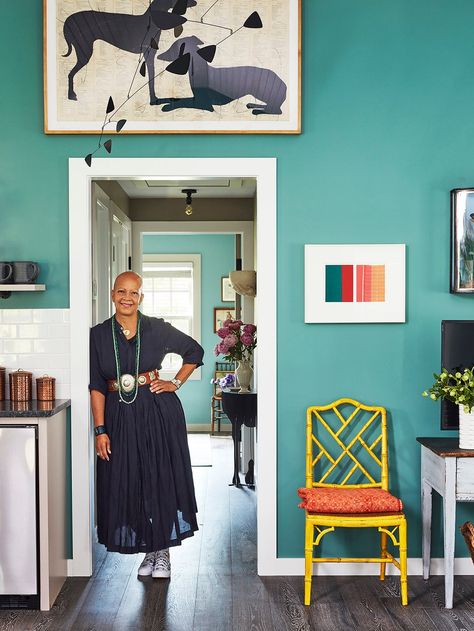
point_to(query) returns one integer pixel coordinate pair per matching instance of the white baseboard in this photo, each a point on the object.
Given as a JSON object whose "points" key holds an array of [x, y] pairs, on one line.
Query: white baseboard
{"points": [[295, 567], [199, 427]]}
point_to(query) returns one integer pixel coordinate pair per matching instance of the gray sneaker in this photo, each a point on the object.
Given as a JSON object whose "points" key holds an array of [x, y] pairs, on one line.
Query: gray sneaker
{"points": [[162, 565], [147, 565]]}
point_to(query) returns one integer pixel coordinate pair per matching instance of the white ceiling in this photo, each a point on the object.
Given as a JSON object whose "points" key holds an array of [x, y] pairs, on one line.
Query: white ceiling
{"points": [[205, 187]]}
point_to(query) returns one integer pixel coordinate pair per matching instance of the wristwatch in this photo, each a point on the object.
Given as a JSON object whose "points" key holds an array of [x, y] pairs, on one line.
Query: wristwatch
{"points": [[177, 383], [100, 429]]}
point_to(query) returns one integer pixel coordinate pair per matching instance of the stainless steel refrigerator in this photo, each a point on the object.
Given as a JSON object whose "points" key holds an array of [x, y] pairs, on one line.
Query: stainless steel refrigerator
{"points": [[19, 567]]}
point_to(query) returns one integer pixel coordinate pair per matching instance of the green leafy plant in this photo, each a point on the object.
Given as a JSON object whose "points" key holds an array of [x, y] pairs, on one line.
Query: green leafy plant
{"points": [[457, 387]]}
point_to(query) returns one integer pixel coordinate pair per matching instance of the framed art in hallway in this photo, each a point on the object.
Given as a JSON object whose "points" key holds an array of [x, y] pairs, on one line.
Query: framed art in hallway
{"points": [[227, 291], [355, 283], [462, 241], [221, 314], [172, 66]]}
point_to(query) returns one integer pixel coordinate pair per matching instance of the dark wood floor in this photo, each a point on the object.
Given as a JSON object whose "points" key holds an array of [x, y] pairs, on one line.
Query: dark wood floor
{"points": [[214, 586]]}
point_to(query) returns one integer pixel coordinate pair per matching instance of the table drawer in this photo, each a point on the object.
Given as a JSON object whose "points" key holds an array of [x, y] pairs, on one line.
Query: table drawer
{"points": [[465, 478]]}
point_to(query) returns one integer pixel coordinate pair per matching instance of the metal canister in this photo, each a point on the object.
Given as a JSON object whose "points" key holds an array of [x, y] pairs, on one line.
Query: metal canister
{"points": [[2, 384], [45, 388], [21, 385]]}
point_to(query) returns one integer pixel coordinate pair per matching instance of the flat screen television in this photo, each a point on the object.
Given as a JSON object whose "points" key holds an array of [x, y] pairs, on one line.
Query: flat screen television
{"points": [[457, 352]]}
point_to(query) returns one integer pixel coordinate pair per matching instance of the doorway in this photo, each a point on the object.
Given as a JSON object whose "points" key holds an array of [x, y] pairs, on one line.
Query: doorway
{"points": [[80, 182]]}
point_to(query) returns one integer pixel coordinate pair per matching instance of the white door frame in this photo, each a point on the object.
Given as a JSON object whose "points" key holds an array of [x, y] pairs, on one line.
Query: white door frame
{"points": [[82, 452]]}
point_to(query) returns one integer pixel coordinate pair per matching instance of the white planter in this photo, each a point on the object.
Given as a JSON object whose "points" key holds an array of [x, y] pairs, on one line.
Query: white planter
{"points": [[466, 429], [244, 372]]}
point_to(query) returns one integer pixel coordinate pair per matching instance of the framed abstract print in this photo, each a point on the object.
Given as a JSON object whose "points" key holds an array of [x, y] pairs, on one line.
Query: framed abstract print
{"points": [[172, 66], [355, 283], [462, 241]]}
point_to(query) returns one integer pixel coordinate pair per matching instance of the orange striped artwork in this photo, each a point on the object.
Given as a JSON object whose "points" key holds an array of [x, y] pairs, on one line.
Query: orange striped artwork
{"points": [[370, 283]]}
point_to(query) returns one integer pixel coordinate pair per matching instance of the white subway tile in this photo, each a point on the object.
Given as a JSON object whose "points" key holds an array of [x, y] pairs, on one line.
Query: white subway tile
{"points": [[32, 330], [8, 361], [66, 316], [17, 346], [16, 316], [51, 346], [8, 331], [57, 331], [61, 362], [48, 316]]}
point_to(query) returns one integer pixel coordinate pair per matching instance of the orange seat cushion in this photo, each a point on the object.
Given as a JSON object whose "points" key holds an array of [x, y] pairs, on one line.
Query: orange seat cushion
{"points": [[342, 500]]}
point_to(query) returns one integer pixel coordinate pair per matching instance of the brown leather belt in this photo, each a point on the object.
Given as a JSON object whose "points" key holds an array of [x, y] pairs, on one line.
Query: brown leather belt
{"points": [[128, 381]]}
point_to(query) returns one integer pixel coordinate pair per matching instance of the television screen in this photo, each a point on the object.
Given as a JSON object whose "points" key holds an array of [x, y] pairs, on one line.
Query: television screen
{"points": [[457, 352]]}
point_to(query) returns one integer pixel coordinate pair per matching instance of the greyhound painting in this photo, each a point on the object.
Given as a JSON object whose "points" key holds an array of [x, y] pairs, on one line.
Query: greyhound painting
{"points": [[218, 86], [132, 33]]}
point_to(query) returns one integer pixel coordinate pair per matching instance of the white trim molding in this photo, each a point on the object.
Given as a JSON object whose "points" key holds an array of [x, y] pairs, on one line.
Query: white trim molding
{"points": [[82, 452]]}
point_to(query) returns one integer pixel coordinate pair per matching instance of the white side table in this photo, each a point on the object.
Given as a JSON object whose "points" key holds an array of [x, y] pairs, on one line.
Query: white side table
{"points": [[449, 471]]}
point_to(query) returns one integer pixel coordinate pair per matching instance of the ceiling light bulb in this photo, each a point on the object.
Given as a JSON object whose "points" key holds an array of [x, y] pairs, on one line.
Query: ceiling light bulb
{"points": [[189, 209]]}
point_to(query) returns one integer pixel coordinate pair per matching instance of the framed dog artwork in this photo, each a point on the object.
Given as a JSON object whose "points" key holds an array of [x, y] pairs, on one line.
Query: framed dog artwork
{"points": [[172, 66]]}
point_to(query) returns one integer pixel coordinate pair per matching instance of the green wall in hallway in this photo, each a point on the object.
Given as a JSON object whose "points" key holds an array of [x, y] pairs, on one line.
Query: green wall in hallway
{"points": [[387, 131], [217, 259]]}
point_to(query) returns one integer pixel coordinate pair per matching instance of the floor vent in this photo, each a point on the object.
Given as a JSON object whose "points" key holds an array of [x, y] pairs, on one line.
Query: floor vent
{"points": [[17, 601]]}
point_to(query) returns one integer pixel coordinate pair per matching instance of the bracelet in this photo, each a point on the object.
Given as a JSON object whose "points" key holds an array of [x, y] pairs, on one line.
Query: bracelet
{"points": [[177, 383], [100, 429]]}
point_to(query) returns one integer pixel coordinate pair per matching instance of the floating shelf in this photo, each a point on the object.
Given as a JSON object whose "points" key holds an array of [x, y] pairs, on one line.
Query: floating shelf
{"points": [[25, 287], [6, 290]]}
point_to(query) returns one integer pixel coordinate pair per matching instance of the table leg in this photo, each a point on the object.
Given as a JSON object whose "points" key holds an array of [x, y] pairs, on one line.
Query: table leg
{"points": [[449, 515], [235, 438], [426, 508]]}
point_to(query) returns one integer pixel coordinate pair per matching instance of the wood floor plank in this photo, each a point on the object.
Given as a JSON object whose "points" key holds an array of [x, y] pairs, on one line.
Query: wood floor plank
{"points": [[287, 609]]}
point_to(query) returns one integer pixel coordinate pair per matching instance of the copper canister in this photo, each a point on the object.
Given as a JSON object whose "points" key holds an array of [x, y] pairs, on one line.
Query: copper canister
{"points": [[21, 385], [2, 384], [45, 388]]}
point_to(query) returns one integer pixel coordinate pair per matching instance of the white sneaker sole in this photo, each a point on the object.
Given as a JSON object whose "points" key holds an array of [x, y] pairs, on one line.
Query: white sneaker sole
{"points": [[161, 574], [145, 571]]}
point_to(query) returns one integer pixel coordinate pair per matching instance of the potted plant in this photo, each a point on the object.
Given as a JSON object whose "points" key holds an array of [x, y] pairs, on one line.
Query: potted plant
{"points": [[237, 342], [457, 387]]}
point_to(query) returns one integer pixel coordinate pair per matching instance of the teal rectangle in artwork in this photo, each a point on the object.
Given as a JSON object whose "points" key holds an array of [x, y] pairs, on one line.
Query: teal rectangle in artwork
{"points": [[333, 283]]}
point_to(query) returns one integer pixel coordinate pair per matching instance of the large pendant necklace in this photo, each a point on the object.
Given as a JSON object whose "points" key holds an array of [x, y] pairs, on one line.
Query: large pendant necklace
{"points": [[134, 391]]}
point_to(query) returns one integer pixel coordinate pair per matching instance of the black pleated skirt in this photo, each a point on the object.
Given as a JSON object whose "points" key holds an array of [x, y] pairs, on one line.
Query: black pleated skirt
{"points": [[145, 492]]}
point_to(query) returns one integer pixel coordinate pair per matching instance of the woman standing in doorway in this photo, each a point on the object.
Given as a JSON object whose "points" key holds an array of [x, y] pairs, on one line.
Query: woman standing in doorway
{"points": [[145, 490]]}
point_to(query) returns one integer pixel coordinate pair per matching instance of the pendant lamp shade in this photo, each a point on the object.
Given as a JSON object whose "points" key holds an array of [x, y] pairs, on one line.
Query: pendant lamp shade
{"points": [[244, 282]]}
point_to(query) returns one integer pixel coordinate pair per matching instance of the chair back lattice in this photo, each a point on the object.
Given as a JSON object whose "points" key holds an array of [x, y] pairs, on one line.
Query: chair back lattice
{"points": [[222, 369], [346, 445]]}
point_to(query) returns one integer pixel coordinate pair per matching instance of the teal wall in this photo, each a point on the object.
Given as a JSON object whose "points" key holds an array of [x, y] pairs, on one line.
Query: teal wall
{"points": [[217, 259], [387, 90]]}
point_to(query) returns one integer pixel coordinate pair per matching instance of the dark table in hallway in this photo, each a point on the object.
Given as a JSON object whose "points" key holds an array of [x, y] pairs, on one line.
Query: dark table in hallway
{"points": [[241, 408]]}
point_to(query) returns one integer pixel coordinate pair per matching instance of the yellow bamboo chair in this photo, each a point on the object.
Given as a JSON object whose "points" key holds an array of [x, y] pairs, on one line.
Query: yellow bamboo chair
{"points": [[354, 439]]}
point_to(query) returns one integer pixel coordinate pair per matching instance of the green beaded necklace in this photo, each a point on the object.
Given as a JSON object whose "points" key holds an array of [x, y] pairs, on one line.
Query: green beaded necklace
{"points": [[117, 363]]}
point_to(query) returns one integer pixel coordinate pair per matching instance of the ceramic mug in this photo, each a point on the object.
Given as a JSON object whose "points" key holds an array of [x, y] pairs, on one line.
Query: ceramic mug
{"points": [[6, 272], [25, 271]]}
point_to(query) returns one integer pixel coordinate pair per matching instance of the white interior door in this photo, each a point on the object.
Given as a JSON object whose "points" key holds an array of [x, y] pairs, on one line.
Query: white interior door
{"points": [[101, 306]]}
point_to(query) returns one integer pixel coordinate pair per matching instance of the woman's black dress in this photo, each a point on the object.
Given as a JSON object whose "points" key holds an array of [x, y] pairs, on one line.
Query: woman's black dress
{"points": [[145, 492]]}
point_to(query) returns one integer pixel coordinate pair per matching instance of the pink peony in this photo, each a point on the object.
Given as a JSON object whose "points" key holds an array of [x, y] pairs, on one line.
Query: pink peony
{"points": [[247, 339], [235, 325], [231, 340], [227, 322], [224, 332], [250, 328], [216, 350], [223, 348]]}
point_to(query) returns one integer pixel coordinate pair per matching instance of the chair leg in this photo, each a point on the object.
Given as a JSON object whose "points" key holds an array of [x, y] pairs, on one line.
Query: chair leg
{"points": [[403, 562], [308, 561], [212, 417], [383, 554]]}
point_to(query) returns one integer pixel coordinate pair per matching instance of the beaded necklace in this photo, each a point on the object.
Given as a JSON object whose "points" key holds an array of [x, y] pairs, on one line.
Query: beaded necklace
{"points": [[117, 363]]}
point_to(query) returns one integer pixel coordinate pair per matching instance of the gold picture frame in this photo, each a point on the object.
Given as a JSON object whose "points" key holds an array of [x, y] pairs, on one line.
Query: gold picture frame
{"points": [[221, 314]]}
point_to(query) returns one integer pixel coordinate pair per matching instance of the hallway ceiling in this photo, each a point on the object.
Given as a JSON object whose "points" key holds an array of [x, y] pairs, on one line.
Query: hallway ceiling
{"points": [[213, 187]]}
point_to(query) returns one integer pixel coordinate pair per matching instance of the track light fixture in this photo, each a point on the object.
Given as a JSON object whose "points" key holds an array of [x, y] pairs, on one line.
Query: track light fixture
{"points": [[189, 192]]}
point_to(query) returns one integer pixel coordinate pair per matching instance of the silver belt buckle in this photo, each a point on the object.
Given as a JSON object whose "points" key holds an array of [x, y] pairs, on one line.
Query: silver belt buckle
{"points": [[127, 383]]}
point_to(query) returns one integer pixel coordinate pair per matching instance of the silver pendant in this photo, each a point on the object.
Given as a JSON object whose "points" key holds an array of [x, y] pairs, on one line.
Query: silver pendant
{"points": [[127, 383]]}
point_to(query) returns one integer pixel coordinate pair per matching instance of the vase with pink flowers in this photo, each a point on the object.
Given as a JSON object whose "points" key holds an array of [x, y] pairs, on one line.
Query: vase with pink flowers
{"points": [[237, 342]]}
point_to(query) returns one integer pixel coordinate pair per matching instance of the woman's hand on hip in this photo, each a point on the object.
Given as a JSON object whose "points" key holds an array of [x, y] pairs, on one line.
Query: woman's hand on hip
{"points": [[162, 385], [102, 446]]}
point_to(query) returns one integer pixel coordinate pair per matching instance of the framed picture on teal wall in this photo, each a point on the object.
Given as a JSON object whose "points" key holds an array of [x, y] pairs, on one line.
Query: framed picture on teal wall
{"points": [[355, 283], [462, 241], [227, 291], [221, 314], [172, 66]]}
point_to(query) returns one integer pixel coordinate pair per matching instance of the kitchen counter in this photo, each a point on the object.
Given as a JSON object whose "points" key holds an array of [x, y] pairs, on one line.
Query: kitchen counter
{"points": [[32, 409]]}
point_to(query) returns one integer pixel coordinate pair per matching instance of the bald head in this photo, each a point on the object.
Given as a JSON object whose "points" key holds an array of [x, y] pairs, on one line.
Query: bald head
{"points": [[125, 278]]}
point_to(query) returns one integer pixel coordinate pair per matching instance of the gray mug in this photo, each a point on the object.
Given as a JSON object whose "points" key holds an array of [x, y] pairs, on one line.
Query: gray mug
{"points": [[6, 272], [25, 271]]}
